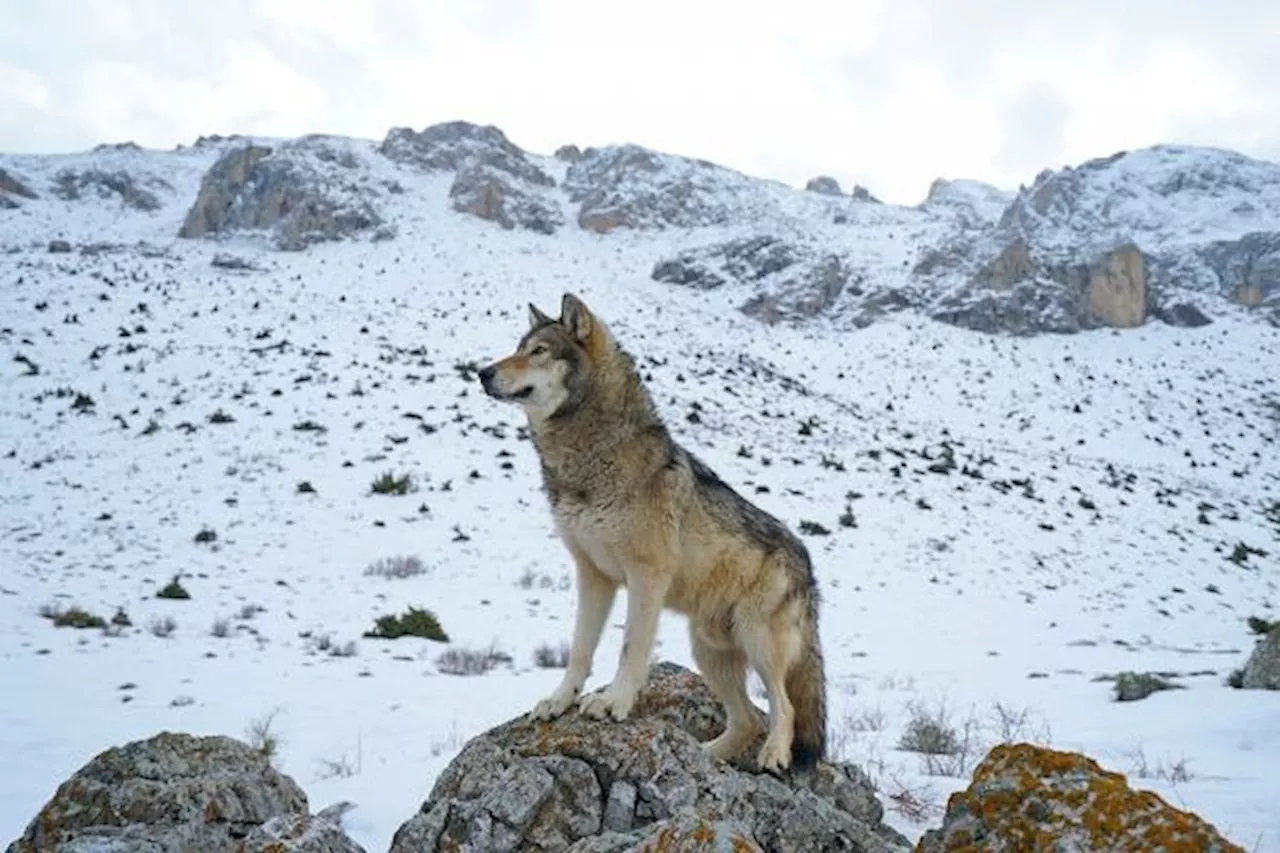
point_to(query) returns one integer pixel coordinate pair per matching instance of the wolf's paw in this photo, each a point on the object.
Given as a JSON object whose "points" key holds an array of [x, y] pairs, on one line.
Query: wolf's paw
{"points": [[553, 706], [775, 756], [731, 742], [608, 703]]}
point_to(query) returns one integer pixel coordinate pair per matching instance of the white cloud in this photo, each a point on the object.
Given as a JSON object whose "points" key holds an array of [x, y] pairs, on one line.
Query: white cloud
{"points": [[889, 93]]}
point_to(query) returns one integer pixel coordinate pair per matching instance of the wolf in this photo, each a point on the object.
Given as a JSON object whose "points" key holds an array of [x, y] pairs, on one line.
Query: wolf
{"points": [[636, 509]]}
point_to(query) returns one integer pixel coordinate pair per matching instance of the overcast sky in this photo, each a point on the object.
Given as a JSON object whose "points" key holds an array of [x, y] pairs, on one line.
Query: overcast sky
{"points": [[888, 93]]}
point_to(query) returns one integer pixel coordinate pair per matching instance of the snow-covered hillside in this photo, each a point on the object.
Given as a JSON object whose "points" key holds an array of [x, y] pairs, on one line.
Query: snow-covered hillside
{"points": [[996, 522]]}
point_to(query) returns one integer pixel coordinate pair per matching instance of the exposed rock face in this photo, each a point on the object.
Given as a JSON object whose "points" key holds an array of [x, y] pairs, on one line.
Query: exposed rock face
{"points": [[824, 185], [175, 793], [1118, 290], [584, 786], [1182, 314], [972, 203], [10, 187], [627, 186], [1006, 269], [72, 185], [451, 146], [1262, 672], [861, 193], [1028, 798], [1248, 269], [568, 153], [792, 281], [306, 191], [487, 193]]}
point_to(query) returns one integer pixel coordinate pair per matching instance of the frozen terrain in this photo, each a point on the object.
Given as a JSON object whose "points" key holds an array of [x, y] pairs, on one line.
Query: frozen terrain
{"points": [[996, 522]]}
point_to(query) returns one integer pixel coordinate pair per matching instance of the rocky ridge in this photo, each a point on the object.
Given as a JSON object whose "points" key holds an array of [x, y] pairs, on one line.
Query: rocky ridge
{"points": [[1169, 233]]}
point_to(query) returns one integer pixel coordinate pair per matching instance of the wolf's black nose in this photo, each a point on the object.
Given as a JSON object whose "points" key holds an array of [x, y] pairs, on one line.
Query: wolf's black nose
{"points": [[486, 373]]}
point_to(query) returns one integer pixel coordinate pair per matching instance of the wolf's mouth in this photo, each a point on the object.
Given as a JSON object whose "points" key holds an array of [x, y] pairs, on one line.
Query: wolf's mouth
{"points": [[522, 393]]}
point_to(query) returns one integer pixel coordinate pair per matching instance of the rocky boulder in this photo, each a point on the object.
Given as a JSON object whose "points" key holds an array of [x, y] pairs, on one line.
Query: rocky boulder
{"points": [[1025, 797], [568, 154], [1262, 671], [646, 784], [75, 184], [176, 793], [305, 191], [824, 185]]}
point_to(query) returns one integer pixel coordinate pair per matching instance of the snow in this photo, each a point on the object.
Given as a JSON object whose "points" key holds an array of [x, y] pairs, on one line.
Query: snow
{"points": [[949, 590]]}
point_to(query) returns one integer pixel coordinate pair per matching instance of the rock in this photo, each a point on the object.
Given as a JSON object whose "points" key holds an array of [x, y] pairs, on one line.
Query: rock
{"points": [[485, 192], [586, 786], [1135, 686], [1262, 671], [824, 185], [71, 185], [10, 185], [626, 186], [972, 204], [308, 190], [59, 247], [175, 793], [1182, 314], [1025, 797], [1248, 269], [1118, 289], [568, 154], [1011, 266], [861, 193], [1028, 308], [227, 261], [454, 145]]}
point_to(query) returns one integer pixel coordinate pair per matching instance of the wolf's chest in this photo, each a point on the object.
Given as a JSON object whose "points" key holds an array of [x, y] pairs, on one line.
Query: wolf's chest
{"points": [[600, 532]]}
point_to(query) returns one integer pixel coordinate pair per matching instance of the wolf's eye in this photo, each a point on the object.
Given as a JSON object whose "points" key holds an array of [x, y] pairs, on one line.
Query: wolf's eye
{"points": [[540, 349]]}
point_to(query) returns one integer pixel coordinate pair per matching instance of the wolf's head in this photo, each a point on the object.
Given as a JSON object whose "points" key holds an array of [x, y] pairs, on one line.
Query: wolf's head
{"points": [[549, 372]]}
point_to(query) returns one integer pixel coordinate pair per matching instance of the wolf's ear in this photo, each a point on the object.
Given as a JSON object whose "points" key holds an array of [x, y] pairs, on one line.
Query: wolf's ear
{"points": [[536, 317], [575, 317]]}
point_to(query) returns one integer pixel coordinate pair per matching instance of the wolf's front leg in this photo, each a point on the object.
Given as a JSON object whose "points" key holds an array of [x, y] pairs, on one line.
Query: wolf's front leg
{"points": [[596, 593], [645, 596]]}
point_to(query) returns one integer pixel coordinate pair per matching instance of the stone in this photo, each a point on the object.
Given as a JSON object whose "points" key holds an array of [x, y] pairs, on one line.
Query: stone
{"points": [[486, 193], [72, 185], [178, 793], [11, 185], [645, 784], [1026, 797], [1118, 289], [1262, 671], [824, 185]]}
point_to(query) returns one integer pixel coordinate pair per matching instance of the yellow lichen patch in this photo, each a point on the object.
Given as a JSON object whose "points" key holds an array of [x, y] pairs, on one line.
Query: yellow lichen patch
{"points": [[1025, 797]]}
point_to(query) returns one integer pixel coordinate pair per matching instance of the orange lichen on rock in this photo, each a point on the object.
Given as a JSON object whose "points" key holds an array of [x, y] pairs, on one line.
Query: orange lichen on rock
{"points": [[1026, 797]]}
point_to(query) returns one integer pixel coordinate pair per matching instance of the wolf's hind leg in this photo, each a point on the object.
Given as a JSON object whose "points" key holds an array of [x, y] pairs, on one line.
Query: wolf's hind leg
{"points": [[725, 671], [596, 593], [771, 648]]}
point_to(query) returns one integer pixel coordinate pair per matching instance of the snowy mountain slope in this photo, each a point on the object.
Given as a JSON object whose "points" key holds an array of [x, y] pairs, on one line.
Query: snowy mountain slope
{"points": [[1085, 520]]}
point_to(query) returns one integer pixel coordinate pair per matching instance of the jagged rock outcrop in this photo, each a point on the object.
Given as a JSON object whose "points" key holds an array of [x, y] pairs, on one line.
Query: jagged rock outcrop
{"points": [[73, 184], [824, 185], [583, 786], [495, 179], [177, 793], [1248, 269], [791, 281], [568, 153], [11, 189], [972, 204], [1262, 671], [1026, 797], [861, 193], [1019, 293], [305, 191], [626, 186], [483, 191]]}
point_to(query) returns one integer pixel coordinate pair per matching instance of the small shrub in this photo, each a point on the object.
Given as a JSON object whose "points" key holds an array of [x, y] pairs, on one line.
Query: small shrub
{"points": [[221, 417], [74, 617], [813, 528], [1132, 686], [308, 426], [305, 487], [414, 623], [173, 590], [847, 518], [163, 626], [548, 656], [221, 628], [929, 733], [206, 536], [466, 661], [121, 619], [1236, 678], [389, 484], [398, 567], [1261, 626], [262, 738]]}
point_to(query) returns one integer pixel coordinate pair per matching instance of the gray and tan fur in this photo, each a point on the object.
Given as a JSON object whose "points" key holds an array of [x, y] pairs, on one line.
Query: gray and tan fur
{"points": [[634, 508]]}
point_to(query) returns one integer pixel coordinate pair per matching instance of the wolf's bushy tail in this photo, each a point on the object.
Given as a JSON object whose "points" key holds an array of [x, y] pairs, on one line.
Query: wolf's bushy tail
{"points": [[807, 688]]}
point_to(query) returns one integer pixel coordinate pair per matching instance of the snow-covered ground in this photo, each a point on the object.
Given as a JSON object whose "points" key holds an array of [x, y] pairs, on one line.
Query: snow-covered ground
{"points": [[1101, 483]]}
